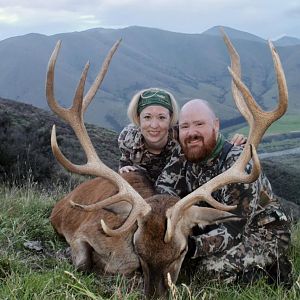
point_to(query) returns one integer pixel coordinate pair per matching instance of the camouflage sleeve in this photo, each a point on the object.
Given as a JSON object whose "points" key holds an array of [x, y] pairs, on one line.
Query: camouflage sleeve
{"points": [[172, 179], [245, 196], [124, 149], [216, 238]]}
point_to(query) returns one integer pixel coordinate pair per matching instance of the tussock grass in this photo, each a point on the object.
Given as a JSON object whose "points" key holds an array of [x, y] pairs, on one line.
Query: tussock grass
{"points": [[45, 272]]}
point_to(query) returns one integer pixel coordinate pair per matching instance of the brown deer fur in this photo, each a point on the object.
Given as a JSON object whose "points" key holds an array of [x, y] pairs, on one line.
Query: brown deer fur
{"points": [[92, 249]]}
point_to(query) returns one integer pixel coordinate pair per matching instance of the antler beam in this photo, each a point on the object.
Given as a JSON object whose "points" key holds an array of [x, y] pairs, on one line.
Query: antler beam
{"points": [[94, 165]]}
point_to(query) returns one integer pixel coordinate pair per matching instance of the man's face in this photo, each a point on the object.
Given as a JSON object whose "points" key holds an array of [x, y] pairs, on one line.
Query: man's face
{"points": [[198, 131]]}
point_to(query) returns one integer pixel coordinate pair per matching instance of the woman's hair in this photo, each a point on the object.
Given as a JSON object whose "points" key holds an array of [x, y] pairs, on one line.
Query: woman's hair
{"points": [[132, 111]]}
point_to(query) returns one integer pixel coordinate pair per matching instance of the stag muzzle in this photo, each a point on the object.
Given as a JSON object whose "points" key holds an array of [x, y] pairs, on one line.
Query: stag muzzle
{"points": [[156, 287]]}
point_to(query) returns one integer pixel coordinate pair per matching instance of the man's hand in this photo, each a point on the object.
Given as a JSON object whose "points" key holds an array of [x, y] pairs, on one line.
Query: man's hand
{"points": [[127, 169], [238, 139]]}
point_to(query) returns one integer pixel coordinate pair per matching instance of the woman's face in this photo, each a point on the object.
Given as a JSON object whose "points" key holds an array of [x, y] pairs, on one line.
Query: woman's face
{"points": [[155, 123]]}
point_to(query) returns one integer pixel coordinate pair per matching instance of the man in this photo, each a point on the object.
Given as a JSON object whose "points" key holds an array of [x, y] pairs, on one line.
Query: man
{"points": [[235, 250]]}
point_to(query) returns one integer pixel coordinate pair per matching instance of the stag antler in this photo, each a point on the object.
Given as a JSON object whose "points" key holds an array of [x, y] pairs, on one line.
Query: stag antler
{"points": [[94, 165], [258, 121]]}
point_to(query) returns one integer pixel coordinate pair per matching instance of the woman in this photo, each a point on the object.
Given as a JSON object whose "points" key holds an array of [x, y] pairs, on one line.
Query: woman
{"points": [[147, 143]]}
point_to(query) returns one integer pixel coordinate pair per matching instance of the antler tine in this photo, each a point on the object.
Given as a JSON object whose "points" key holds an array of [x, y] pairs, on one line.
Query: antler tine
{"points": [[138, 211], [259, 118], [125, 227], [281, 82], [96, 84], [236, 67], [255, 117], [73, 116], [94, 165], [59, 155], [108, 201], [50, 83]]}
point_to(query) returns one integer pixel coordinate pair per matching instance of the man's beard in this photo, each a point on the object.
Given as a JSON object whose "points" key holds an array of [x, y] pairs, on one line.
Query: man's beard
{"points": [[198, 153]]}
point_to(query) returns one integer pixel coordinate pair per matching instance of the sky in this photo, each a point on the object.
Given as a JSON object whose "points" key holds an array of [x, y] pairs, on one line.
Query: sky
{"points": [[268, 19]]}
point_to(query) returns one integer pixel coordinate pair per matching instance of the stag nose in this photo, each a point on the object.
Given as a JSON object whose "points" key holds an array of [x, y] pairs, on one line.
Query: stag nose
{"points": [[161, 294], [156, 289]]}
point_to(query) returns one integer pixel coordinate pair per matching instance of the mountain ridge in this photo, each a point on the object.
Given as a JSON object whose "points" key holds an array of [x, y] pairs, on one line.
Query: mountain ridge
{"points": [[188, 65]]}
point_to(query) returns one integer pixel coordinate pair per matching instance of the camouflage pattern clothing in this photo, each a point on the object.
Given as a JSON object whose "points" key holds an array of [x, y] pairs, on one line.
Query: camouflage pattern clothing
{"points": [[134, 153], [230, 250]]}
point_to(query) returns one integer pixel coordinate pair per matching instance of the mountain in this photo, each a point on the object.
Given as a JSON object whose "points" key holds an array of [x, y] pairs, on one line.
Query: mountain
{"points": [[188, 65], [287, 41], [234, 34]]}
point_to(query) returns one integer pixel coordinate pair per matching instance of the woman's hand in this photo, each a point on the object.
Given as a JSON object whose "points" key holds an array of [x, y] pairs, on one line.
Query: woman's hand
{"points": [[127, 169], [238, 139]]}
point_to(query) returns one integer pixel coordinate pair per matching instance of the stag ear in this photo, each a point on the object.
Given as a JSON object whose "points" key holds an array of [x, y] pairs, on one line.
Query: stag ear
{"points": [[121, 208], [203, 216]]}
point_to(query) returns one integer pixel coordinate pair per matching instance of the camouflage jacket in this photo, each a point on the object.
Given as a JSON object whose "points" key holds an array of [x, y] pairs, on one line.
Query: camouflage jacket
{"points": [[134, 153], [255, 202]]}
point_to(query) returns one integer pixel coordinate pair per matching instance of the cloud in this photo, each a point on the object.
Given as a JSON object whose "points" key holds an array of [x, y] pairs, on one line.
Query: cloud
{"points": [[266, 18], [294, 12], [8, 18]]}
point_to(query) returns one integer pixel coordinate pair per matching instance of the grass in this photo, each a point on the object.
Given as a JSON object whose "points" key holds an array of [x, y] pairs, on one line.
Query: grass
{"points": [[285, 124], [47, 274], [282, 135]]}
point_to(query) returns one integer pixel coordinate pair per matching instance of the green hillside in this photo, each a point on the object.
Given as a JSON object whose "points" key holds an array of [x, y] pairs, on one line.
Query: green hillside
{"points": [[283, 134], [285, 124]]}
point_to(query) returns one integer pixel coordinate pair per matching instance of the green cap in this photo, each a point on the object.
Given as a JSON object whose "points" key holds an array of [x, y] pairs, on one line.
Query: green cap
{"points": [[154, 97]]}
